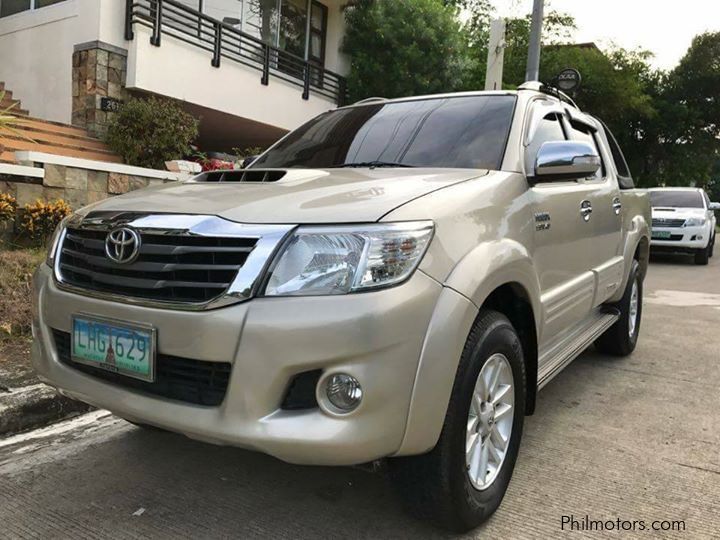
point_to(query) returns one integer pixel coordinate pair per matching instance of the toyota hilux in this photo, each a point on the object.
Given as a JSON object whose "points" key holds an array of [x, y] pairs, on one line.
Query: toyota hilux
{"points": [[683, 221], [394, 280]]}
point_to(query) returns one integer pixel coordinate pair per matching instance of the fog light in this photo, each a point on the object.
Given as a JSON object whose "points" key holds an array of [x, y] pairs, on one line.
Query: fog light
{"points": [[344, 392]]}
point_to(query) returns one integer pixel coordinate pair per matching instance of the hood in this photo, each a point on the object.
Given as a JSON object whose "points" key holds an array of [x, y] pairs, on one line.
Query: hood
{"points": [[677, 213], [300, 196]]}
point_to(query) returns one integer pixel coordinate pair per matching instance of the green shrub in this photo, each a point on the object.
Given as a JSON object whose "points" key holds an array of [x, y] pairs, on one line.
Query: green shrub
{"points": [[149, 132]]}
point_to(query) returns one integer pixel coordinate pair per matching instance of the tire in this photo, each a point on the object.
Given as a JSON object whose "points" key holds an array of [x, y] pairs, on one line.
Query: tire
{"points": [[702, 256], [712, 247], [437, 485], [619, 339]]}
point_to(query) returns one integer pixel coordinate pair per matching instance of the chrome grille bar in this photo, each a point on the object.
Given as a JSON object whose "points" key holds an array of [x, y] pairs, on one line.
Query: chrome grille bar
{"points": [[185, 262]]}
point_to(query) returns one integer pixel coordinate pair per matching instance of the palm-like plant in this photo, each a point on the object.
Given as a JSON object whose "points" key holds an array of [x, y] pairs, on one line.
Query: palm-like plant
{"points": [[8, 120]]}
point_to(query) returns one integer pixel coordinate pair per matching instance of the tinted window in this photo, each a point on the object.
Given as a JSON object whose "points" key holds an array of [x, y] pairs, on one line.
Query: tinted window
{"points": [[579, 132], [617, 155], [549, 129], [11, 7], [462, 132], [676, 199]]}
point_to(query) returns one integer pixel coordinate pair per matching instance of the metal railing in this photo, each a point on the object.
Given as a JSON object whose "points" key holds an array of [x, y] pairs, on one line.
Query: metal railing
{"points": [[221, 40]]}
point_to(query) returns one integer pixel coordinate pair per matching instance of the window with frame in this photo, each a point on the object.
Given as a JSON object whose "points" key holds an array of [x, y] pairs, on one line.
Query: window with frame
{"points": [[583, 133], [548, 129], [11, 7], [621, 166]]}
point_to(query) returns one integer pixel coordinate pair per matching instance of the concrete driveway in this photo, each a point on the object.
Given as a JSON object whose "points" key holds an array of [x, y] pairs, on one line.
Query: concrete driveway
{"points": [[631, 439]]}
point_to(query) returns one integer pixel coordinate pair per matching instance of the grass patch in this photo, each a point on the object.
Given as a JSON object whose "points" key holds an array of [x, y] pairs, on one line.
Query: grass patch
{"points": [[16, 269]]}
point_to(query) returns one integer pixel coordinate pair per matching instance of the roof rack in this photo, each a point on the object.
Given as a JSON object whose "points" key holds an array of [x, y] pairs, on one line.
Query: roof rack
{"points": [[371, 100], [549, 90]]}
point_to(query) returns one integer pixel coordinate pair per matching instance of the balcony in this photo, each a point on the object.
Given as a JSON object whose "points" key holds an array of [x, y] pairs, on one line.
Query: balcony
{"points": [[224, 74]]}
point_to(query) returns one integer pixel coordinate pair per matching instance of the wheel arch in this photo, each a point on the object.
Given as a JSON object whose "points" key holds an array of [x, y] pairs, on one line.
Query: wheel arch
{"points": [[642, 255], [504, 281], [513, 301]]}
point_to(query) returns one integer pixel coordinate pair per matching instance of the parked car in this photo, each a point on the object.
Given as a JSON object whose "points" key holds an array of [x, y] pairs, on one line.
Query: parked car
{"points": [[683, 221], [395, 279]]}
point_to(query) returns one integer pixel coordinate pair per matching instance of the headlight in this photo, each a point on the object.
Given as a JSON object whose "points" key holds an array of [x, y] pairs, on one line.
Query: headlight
{"points": [[694, 222], [54, 242], [345, 259]]}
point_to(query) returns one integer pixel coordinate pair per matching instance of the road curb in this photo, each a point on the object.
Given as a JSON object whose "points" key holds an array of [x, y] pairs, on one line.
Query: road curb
{"points": [[34, 406]]}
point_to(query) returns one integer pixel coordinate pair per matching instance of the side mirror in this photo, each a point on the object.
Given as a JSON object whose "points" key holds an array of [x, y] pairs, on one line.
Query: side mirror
{"points": [[565, 160], [715, 206], [248, 161]]}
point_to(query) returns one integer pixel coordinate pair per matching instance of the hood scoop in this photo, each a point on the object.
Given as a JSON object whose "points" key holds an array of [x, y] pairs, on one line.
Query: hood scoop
{"points": [[246, 175], [659, 209]]}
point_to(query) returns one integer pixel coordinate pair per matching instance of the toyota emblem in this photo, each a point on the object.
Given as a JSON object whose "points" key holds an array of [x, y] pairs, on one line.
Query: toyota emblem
{"points": [[122, 245]]}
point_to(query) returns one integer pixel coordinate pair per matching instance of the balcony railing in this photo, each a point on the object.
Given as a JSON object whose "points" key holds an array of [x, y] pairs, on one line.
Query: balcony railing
{"points": [[221, 40]]}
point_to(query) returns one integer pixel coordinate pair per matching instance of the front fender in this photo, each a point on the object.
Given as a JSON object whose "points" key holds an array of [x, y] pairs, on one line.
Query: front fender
{"points": [[473, 279], [493, 264]]}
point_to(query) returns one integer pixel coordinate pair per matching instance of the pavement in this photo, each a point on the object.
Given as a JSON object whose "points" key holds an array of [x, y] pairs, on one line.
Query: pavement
{"points": [[635, 439], [26, 403]]}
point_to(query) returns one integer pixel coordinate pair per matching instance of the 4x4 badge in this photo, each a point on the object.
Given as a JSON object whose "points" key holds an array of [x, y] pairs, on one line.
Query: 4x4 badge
{"points": [[542, 221]]}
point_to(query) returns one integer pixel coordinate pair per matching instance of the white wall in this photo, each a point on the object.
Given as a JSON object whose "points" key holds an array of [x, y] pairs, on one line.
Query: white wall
{"points": [[334, 59], [184, 72], [36, 56], [36, 50]]}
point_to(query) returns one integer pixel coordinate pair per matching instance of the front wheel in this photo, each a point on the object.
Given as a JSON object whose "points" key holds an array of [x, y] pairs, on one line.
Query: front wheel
{"points": [[621, 338], [461, 482], [702, 256]]}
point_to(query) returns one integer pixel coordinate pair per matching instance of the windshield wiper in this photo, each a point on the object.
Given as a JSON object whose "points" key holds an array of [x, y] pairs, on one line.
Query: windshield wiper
{"points": [[373, 164]]}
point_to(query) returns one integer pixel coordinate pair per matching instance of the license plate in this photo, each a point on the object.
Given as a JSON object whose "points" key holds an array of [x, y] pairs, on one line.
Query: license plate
{"points": [[661, 234], [124, 348]]}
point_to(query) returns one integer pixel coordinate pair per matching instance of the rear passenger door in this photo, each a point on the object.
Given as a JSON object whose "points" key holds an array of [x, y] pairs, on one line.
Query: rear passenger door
{"points": [[602, 195]]}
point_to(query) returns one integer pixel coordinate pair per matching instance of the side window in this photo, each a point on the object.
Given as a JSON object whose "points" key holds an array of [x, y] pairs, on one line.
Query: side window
{"points": [[620, 164], [579, 132], [549, 129], [707, 199]]}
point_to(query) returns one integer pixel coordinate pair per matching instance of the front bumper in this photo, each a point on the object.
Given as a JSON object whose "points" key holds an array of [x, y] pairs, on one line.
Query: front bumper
{"points": [[376, 337], [685, 239]]}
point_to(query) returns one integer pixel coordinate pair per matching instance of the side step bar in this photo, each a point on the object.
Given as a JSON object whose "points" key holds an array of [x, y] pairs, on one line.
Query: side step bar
{"points": [[576, 345]]}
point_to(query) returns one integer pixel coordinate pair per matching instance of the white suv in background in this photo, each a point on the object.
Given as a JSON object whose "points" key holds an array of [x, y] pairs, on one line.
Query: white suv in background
{"points": [[683, 221]]}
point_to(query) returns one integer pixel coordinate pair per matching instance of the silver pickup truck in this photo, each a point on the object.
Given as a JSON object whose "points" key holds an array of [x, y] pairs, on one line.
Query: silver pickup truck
{"points": [[394, 279]]}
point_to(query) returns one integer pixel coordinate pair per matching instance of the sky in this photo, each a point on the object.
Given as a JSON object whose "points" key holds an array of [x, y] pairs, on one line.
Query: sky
{"points": [[663, 27]]}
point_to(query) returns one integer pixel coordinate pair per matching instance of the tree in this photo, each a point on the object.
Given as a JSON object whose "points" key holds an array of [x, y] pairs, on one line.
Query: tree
{"points": [[402, 48], [691, 135], [615, 88]]}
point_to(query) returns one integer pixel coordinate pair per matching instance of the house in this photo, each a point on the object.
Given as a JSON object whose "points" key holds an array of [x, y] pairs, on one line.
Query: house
{"points": [[250, 69]]}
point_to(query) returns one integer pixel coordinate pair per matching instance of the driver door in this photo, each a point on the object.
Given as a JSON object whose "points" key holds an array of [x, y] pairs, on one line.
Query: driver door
{"points": [[562, 241]]}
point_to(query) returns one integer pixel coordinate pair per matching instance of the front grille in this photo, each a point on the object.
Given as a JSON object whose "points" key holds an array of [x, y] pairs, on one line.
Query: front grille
{"points": [[667, 222], [181, 379], [671, 238], [172, 268]]}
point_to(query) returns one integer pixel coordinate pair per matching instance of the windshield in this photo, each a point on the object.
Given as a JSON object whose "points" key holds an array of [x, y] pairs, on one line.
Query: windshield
{"points": [[455, 132], [676, 199]]}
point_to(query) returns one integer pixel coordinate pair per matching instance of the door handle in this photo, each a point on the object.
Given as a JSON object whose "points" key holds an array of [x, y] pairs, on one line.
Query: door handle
{"points": [[617, 206], [585, 210]]}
